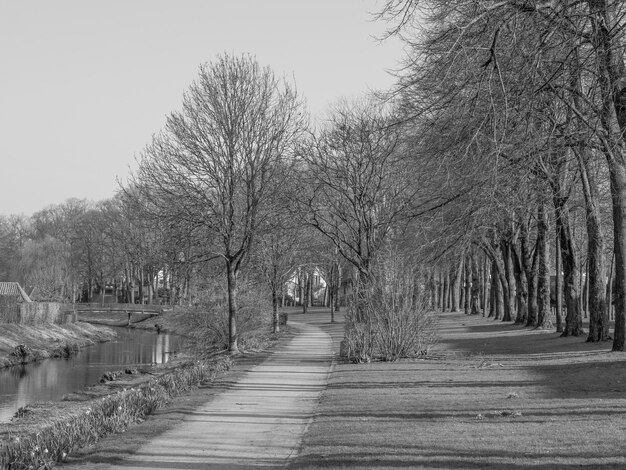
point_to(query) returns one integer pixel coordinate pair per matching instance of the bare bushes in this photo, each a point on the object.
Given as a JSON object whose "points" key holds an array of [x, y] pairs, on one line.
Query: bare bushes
{"points": [[208, 323], [387, 319]]}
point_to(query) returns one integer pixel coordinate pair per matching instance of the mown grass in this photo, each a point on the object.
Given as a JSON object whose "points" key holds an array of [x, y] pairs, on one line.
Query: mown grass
{"points": [[56, 439], [526, 404]]}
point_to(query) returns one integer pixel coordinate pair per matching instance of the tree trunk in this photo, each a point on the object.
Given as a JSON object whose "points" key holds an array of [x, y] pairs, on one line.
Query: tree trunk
{"points": [[522, 285], [475, 288], [530, 265], [587, 267], [543, 283], [468, 285], [102, 288], [331, 296], [141, 285], [456, 286], [446, 289], [618, 192], [609, 290], [500, 297], [325, 297], [275, 315], [151, 288], [533, 293], [442, 289], [495, 250], [558, 283], [435, 287], [571, 272], [231, 276], [485, 286], [336, 288], [582, 286], [300, 287], [493, 307], [511, 291], [306, 289]]}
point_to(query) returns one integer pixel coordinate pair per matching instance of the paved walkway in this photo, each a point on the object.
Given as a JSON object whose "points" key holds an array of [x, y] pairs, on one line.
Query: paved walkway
{"points": [[258, 421]]}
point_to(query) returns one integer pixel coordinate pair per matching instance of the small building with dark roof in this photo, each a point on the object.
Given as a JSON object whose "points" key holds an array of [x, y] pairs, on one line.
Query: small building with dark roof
{"points": [[13, 289]]}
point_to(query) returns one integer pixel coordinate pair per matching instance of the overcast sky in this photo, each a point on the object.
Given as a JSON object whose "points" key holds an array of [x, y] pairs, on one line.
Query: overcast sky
{"points": [[84, 84]]}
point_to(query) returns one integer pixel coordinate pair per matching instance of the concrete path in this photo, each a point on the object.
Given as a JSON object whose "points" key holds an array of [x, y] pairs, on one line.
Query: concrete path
{"points": [[257, 422]]}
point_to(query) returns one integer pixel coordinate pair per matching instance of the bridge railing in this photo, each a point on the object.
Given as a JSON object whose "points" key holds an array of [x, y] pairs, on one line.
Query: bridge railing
{"points": [[125, 308]]}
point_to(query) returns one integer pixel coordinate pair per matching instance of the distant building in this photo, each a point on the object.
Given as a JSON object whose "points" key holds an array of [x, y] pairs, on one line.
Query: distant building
{"points": [[298, 282], [13, 289]]}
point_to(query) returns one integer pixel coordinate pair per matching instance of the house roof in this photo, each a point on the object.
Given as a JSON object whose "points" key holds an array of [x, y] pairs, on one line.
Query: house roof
{"points": [[13, 288]]}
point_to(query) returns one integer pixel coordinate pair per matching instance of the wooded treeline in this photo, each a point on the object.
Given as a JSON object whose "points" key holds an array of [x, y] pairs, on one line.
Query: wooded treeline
{"points": [[495, 169], [526, 98]]}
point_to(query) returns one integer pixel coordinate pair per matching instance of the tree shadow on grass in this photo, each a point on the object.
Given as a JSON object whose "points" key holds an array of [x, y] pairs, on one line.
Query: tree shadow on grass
{"points": [[600, 380], [476, 461], [495, 326], [478, 335]]}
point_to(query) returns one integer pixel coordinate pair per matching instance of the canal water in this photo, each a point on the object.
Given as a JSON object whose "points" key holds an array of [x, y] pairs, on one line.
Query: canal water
{"points": [[50, 379]]}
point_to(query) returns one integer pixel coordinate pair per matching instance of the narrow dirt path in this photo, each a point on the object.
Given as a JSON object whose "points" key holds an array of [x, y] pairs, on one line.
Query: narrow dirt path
{"points": [[258, 420]]}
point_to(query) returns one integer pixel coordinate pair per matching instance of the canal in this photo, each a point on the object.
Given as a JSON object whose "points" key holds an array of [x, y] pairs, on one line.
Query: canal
{"points": [[51, 379]]}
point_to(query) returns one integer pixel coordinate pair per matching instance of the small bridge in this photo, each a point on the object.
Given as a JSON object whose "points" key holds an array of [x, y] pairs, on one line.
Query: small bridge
{"points": [[120, 313]]}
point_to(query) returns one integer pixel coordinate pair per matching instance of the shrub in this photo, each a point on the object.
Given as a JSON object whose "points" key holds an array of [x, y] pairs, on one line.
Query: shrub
{"points": [[208, 324], [358, 343], [67, 350], [22, 352], [387, 319]]}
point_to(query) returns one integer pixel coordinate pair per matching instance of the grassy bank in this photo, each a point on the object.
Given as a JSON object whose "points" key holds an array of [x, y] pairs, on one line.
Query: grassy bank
{"points": [[492, 395], [47, 340], [39, 443]]}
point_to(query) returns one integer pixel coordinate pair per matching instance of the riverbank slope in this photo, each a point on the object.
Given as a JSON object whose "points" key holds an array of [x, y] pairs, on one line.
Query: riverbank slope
{"points": [[20, 344]]}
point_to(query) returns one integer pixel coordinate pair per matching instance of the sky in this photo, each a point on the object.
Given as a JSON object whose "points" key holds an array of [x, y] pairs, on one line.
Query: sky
{"points": [[84, 84]]}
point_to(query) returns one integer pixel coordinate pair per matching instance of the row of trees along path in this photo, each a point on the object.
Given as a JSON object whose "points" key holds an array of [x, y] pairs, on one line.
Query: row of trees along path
{"points": [[522, 102]]}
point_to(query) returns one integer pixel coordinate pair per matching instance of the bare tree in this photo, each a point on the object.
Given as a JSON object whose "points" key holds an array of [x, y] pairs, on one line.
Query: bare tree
{"points": [[359, 184], [277, 250], [216, 163]]}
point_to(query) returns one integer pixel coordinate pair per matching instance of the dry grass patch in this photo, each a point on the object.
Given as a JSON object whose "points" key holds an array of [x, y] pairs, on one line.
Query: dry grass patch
{"points": [[48, 340]]}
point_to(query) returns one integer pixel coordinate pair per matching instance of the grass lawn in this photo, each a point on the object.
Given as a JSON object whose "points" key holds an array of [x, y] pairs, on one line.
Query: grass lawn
{"points": [[491, 395]]}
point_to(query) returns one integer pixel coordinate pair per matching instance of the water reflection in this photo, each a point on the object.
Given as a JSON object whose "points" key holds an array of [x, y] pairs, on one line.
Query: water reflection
{"points": [[49, 380]]}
